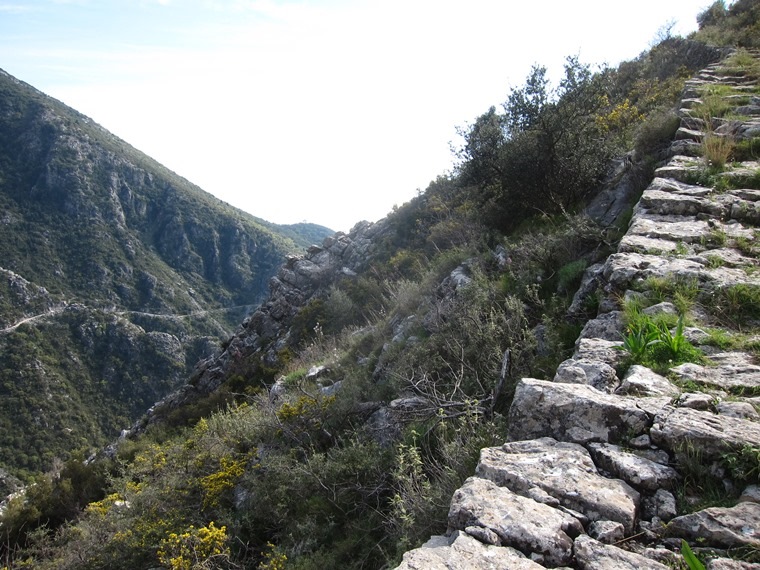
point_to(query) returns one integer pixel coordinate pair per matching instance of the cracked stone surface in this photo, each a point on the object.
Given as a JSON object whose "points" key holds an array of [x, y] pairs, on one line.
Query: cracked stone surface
{"points": [[566, 472]]}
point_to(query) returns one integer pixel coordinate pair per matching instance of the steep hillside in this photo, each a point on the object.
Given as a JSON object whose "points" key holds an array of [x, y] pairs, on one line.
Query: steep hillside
{"points": [[116, 276], [650, 433], [341, 425]]}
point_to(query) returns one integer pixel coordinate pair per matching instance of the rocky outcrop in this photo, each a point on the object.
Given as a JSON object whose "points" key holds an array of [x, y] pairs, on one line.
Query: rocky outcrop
{"points": [[607, 444], [301, 280]]}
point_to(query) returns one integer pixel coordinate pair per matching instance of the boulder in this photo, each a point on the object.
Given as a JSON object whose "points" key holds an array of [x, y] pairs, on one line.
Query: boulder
{"points": [[600, 375], [600, 350], [730, 564], [713, 435], [573, 412], [743, 410], [641, 381], [734, 371], [587, 288], [591, 554], [661, 505], [696, 400], [463, 552], [607, 326], [522, 523], [751, 494], [566, 472], [720, 527], [607, 532], [637, 471]]}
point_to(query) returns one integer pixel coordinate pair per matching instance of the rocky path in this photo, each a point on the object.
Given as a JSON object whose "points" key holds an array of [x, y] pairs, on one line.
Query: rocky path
{"points": [[607, 465], [58, 309]]}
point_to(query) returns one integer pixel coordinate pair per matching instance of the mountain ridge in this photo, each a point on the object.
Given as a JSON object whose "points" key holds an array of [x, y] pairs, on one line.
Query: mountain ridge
{"points": [[91, 226], [341, 425]]}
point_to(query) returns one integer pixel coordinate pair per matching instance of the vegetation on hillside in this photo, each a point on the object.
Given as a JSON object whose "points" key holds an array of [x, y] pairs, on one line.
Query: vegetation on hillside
{"points": [[120, 275], [309, 477]]}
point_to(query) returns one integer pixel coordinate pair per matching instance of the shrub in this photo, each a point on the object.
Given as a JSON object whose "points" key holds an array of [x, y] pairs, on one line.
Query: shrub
{"points": [[717, 149], [195, 548], [738, 305]]}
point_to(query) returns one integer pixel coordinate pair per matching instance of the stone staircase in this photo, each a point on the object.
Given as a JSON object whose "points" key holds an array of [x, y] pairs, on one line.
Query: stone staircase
{"points": [[600, 465]]}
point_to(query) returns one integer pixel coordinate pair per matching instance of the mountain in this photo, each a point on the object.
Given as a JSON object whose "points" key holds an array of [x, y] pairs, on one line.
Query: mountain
{"points": [[117, 275], [546, 359]]}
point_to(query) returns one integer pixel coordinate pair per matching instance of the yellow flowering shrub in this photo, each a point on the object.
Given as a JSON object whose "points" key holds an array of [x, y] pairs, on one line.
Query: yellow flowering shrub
{"points": [[100, 508], [217, 483], [274, 559], [619, 117], [193, 549]]}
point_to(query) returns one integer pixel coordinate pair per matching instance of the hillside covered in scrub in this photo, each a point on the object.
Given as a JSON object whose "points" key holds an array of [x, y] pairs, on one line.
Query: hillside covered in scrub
{"points": [[116, 277], [546, 359]]}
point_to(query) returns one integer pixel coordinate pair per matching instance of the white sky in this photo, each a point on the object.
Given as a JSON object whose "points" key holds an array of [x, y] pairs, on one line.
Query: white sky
{"points": [[327, 111]]}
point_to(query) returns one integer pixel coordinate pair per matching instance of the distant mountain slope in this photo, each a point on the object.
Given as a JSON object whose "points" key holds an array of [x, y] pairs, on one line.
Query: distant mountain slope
{"points": [[101, 248]]}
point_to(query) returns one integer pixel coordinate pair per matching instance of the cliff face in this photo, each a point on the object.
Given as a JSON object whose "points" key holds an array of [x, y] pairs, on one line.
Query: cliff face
{"points": [[269, 329], [116, 276], [588, 475]]}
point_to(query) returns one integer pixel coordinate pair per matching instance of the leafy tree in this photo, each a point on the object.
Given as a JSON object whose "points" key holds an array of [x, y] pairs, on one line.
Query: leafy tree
{"points": [[545, 153]]}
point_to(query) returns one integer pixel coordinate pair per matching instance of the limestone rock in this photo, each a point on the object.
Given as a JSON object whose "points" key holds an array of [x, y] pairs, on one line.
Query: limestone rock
{"points": [[607, 326], [599, 350], [633, 243], [696, 400], [519, 522], [641, 381], [751, 494], [730, 564], [589, 285], [712, 434], [463, 552], [733, 371], [661, 505], [573, 412], [743, 410], [600, 375], [565, 471], [637, 471], [591, 554], [607, 532], [721, 527]]}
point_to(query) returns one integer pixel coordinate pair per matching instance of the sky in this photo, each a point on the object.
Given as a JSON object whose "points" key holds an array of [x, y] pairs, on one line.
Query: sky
{"points": [[326, 111]]}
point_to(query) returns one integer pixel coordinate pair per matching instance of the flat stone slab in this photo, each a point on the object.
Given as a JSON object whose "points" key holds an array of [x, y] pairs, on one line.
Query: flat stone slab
{"points": [[725, 256], [573, 412], [641, 381], [734, 371], [720, 527], [632, 243], [623, 269], [600, 350], [591, 554], [566, 472], [518, 521], [676, 428], [635, 470], [656, 201], [462, 552], [675, 230], [679, 188]]}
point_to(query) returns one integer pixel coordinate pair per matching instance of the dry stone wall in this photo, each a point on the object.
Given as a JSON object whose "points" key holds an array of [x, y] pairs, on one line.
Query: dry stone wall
{"points": [[597, 458]]}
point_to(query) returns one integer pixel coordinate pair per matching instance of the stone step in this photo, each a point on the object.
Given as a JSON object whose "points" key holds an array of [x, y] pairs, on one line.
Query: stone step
{"points": [[624, 271], [577, 413], [685, 430], [561, 474], [734, 372]]}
